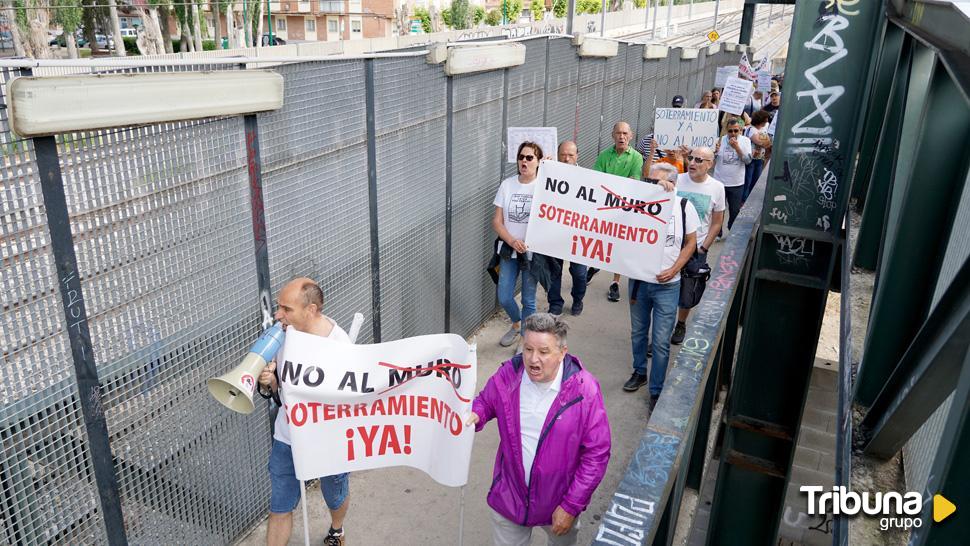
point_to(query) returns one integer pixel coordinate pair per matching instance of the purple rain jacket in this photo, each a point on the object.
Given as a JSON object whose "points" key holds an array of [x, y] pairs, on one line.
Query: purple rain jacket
{"points": [[573, 449]]}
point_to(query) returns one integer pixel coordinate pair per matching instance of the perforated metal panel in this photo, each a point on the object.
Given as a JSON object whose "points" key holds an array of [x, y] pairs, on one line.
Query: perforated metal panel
{"points": [[561, 92], [476, 177], [44, 459], [612, 110], [411, 195], [632, 85], [526, 94], [653, 91], [589, 109], [316, 201]]}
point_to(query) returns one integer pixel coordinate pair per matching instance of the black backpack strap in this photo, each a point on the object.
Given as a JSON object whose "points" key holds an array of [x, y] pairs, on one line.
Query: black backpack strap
{"points": [[683, 223]]}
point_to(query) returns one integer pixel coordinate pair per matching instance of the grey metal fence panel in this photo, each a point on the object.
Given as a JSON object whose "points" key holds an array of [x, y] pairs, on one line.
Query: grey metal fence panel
{"points": [[44, 459], [653, 91], [162, 230], [411, 148], [589, 110], [526, 94], [612, 109], [632, 85], [476, 174], [562, 87], [316, 201]]}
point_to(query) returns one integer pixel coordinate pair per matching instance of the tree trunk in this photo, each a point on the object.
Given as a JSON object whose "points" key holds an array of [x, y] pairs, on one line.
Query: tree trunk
{"points": [[71, 44], [248, 27], [160, 39], [230, 26], [259, 22], [164, 17], [39, 23], [116, 29], [18, 43], [185, 43], [216, 15], [196, 25]]}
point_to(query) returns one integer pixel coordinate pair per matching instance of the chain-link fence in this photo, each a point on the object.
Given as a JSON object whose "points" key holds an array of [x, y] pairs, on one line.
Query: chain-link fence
{"points": [[377, 180]]}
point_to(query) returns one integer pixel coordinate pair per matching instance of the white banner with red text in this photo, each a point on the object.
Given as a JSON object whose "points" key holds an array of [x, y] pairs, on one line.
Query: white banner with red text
{"points": [[598, 219], [357, 407]]}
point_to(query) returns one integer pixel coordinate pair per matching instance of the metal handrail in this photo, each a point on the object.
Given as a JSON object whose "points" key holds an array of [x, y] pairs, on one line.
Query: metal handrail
{"points": [[647, 501]]}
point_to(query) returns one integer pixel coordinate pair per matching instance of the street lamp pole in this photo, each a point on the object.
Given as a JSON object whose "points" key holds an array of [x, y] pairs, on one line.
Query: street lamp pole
{"points": [[603, 17]]}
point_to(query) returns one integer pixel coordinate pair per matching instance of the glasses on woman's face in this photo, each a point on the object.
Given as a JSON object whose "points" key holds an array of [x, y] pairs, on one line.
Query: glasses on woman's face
{"points": [[525, 157]]}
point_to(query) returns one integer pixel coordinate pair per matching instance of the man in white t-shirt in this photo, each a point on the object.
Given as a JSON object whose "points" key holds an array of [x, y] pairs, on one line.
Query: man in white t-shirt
{"points": [[707, 195], [657, 298], [733, 155], [299, 306]]}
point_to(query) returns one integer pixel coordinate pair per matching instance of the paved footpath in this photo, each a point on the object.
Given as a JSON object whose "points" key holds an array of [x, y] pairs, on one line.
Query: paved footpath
{"points": [[403, 506]]}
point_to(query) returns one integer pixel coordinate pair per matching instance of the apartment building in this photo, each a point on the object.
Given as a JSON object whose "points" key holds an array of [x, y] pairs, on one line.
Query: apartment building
{"points": [[329, 20]]}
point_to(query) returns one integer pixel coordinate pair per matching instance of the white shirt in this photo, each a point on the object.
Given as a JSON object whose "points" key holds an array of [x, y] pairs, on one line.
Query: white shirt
{"points": [[535, 400], [675, 236], [281, 430], [707, 198], [515, 199], [729, 166]]}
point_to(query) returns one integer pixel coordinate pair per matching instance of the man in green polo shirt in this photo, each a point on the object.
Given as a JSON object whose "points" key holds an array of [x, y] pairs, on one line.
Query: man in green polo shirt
{"points": [[622, 160]]}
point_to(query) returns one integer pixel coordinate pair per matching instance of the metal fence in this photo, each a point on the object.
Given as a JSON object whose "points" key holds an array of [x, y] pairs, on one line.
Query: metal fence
{"points": [[376, 179]]}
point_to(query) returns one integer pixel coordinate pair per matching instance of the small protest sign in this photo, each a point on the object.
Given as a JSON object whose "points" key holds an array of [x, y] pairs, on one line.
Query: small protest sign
{"points": [[356, 407], [545, 137], [773, 125], [691, 127], [745, 69], [598, 219], [734, 96], [723, 73], [764, 81]]}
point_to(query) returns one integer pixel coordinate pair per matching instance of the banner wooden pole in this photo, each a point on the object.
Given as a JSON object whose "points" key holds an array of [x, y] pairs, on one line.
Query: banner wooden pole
{"points": [[306, 523]]}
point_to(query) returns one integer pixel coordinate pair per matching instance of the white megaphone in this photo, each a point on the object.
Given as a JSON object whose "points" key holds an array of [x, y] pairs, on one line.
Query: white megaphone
{"points": [[235, 389]]}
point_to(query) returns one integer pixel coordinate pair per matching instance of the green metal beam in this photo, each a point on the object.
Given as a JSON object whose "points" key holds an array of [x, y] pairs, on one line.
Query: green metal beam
{"points": [[949, 474], [892, 43], [936, 128], [870, 237], [826, 89]]}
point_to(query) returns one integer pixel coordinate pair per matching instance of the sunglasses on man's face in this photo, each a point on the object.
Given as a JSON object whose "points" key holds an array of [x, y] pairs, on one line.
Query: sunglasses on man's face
{"points": [[696, 159], [734, 131], [526, 157]]}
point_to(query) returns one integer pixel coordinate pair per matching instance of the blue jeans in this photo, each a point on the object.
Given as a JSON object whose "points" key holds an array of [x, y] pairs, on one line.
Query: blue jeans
{"points": [[285, 488], [660, 300], [752, 172], [507, 276], [578, 273]]}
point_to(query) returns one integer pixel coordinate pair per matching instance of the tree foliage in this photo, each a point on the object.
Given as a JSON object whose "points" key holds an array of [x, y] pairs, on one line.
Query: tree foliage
{"points": [[559, 8], [446, 17], [460, 15], [588, 6], [479, 15], [68, 14], [512, 9], [493, 17], [425, 18], [538, 8]]}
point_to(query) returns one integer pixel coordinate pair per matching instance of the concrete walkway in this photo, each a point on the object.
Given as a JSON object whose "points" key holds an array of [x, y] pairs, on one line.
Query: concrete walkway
{"points": [[404, 506]]}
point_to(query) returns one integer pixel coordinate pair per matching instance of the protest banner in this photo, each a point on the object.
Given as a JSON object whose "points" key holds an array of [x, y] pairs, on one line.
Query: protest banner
{"points": [[356, 407], [723, 73], [545, 137], [735, 96], [691, 127], [745, 70], [598, 219], [764, 81]]}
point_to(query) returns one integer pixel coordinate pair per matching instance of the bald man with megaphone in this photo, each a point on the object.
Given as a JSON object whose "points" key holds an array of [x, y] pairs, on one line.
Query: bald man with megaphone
{"points": [[299, 306]]}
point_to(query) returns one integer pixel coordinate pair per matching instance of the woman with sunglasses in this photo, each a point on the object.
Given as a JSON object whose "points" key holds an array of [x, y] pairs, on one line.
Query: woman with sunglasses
{"points": [[513, 203], [732, 157]]}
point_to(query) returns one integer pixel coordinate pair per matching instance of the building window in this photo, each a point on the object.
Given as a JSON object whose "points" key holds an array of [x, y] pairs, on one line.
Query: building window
{"points": [[355, 26], [280, 24], [311, 25], [331, 25]]}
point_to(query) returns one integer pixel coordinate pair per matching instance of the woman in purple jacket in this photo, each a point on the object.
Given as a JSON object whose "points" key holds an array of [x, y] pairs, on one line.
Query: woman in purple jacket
{"points": [[554, 437]]}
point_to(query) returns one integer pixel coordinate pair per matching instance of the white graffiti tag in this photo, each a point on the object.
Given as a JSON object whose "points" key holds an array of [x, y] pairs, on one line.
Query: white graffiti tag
{"points": [[828, 40]]}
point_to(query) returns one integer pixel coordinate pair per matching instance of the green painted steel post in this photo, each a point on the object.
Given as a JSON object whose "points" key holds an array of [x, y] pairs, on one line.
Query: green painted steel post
{"points": [[922, 209], [827, 77], [888, 55], [269, 23], [747, 23], [870, 237]]}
